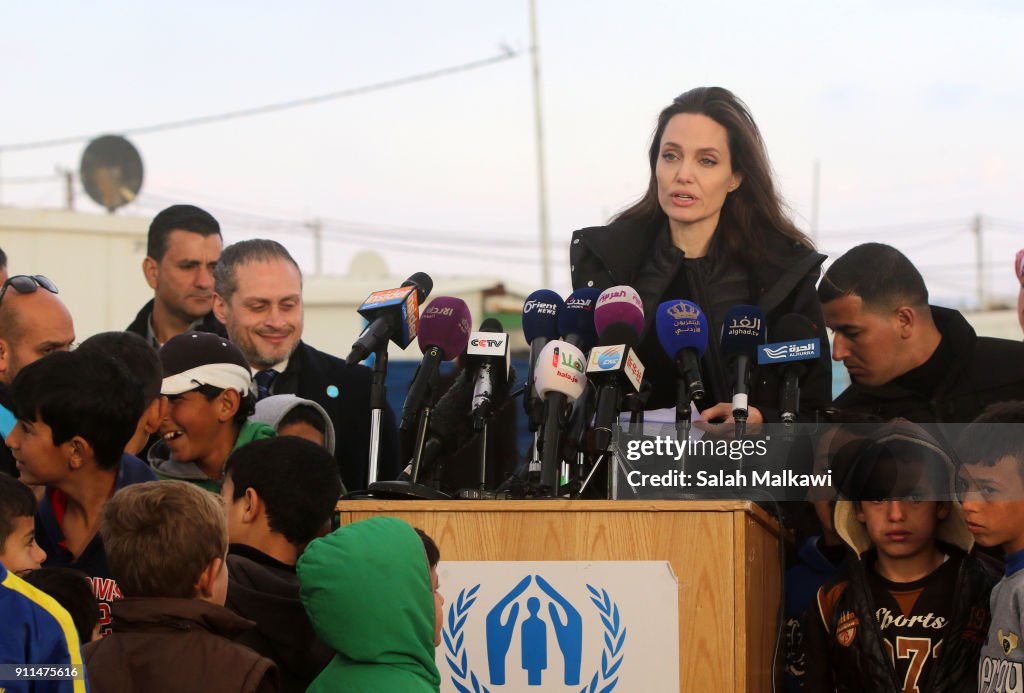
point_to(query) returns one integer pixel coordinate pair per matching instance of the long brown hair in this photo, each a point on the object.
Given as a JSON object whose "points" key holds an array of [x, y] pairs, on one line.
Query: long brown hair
{"points": [[752, 208]]}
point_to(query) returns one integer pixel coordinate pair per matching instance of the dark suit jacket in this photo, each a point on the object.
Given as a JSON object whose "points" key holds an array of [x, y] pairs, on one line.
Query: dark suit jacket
{"points": [[310, 374]]}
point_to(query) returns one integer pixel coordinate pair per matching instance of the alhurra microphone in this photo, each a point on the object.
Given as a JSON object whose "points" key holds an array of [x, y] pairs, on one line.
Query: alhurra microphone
{"points": [[444, 332], [576, 319], [392, 314], [558, 380], [743, 330], [488, 353], [540, 325], [796, 348], [683, 333]]}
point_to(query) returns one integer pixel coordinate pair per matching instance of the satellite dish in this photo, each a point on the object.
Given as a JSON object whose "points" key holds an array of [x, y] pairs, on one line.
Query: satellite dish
{"points": [[111, 171]]}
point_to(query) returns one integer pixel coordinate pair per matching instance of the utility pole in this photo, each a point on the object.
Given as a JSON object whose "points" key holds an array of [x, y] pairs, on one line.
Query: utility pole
{"points": [[69, 188], [979, 260], [542, 195]]}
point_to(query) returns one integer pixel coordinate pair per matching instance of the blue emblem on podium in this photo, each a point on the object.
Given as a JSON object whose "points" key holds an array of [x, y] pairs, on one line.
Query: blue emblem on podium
{"points": [[534, 630]]}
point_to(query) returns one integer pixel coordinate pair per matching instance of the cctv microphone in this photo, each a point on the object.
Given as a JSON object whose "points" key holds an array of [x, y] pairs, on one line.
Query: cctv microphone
{"points": [[795, 351], [559, 379], [488, 353], [443, 334], [392, 314], [743, 331], [683, 333], [540, 325]]}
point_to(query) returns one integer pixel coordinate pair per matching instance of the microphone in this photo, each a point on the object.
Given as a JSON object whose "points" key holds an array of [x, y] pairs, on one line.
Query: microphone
{"points": [[799, 344], [559, 380], [540, 324], [444, 331], [742, 332], [451, 428], [683, 333], [619, 319], [488, 351], [576, 320], [392, 314]]}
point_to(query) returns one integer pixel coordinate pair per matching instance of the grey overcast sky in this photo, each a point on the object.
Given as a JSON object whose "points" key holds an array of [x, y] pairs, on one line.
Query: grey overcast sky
{"points": [[912, 108]]}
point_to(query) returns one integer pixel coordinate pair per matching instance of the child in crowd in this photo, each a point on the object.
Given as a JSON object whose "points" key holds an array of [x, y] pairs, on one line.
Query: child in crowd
{"points": [[991, 450], [73, 590], [433, 558], [76, 412], [822, 556], [910, 611], [367, 589], [139, 357], [19, 552], [209, 387], [167, 544], [279, 494], [37, 631], [290, 415]]}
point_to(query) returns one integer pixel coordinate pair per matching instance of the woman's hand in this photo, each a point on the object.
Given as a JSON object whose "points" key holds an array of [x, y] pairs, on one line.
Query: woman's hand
{"points": [[727, 429]]}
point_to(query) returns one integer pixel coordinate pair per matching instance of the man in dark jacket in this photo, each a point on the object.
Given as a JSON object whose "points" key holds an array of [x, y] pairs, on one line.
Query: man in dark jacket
{"points": [[905, 357], [259, 298], [279, 494], [182, 249]]}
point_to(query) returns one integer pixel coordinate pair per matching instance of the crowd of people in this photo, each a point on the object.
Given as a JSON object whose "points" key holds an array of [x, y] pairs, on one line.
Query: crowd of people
{"points": [[167, 492]]}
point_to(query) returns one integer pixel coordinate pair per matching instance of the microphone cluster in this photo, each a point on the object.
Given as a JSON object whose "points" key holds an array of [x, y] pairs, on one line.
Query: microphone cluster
{"points": [[583, 369]]}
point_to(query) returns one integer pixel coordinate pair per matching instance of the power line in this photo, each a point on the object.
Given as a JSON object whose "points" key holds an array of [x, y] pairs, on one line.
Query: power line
{"points": [[506, 54]]}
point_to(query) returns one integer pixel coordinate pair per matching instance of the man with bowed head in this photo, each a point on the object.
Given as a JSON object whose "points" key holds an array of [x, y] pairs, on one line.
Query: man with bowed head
{"points": [[907, 358], [258, 297]]}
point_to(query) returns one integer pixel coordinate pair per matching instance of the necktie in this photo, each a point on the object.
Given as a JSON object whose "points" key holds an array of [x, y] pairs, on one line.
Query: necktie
{"points": [[264, 381]]}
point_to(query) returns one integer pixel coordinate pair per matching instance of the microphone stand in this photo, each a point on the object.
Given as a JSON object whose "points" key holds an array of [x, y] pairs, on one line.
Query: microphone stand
{"points": [[378, 400], [399, 489]]}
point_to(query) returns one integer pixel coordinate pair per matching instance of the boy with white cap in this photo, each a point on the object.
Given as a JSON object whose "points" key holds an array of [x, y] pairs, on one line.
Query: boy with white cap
{"points": [[209, 387]]}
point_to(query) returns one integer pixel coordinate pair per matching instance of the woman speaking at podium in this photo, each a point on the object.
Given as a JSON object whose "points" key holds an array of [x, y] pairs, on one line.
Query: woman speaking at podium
{"points": [[710, 229]]}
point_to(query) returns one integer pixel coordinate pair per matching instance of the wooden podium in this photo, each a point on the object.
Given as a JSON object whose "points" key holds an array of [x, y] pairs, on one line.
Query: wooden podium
{"points": [[724, 554]]}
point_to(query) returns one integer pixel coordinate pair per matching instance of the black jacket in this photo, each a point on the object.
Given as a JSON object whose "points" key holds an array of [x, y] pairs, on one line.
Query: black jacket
{"points": [[985, 370], [265, 591], [140, 325], [344, 393], [628, 252], [863, 665]]}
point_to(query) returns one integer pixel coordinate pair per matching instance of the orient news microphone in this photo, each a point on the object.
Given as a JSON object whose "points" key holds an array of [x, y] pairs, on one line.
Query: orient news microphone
{"points": [[559, 380], [540, 325], [489, 355], [797, 349], [392, 314], [743, 331], [683, 333], [444, 332], [618, 319], [576, 319]]}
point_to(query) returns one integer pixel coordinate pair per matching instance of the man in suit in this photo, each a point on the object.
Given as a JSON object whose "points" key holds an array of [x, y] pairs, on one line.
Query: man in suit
{"points": [[258, 297]]}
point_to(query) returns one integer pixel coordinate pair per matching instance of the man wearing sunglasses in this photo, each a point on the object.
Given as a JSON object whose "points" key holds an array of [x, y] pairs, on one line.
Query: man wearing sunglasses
{"points": [[182, 248], [33, 323]]}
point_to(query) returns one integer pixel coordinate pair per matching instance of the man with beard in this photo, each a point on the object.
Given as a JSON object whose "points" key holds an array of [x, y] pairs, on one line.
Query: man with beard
{"points": [[181, 251], [258, 297]]}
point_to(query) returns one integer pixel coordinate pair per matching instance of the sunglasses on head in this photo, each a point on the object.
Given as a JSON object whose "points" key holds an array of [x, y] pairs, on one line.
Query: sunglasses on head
{"points": [[27, 284]]}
